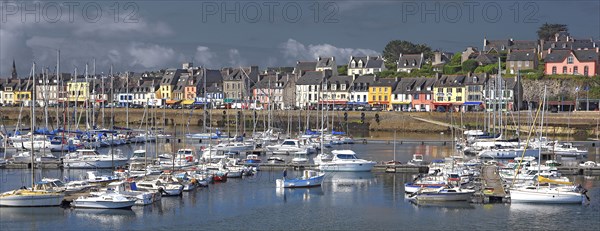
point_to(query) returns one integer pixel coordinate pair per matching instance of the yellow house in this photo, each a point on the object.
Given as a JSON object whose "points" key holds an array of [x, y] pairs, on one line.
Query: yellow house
{"points": [[380, 93], [22, 92], [168, 82], [78, 91], [8, 95], [449, 91]]}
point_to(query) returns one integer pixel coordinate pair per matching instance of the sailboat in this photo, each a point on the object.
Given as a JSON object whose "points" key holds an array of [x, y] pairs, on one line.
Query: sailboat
{"points": [[550, 194], [31, 197]]}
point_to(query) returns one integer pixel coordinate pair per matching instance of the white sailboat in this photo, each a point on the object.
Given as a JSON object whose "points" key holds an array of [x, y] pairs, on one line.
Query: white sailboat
{"points": [[550, 194], [31, 197]]}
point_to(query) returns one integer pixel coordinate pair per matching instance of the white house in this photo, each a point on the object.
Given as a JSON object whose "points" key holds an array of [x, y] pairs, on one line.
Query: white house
{"points": [[368, 65]]}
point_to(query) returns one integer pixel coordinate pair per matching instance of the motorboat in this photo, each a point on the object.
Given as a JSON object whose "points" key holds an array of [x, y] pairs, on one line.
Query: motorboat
{"points": [[104, 200], [168, 189], [300, 158], [288, 146], [589, 164], [77, 186], [507, 153], [31, 198], [138, 156], [309, 178], [346, 161], [252, 159], [275, 160], [128, 189], [417, 160], [100, 179], [444, 194], [413, 187], [90, 158]]}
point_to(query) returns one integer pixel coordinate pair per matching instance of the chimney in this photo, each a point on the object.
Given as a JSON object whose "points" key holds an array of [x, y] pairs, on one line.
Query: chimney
{"points": [[438, 75], [469, 74], [354, 77], [549, 50]]}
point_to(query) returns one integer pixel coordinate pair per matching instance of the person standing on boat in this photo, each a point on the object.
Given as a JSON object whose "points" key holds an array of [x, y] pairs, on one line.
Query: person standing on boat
{"points": [[284, 173]]}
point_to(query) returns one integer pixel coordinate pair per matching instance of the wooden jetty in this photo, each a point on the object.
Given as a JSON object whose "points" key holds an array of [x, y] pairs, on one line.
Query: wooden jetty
{"points": [[400, 168], [492, 189]]}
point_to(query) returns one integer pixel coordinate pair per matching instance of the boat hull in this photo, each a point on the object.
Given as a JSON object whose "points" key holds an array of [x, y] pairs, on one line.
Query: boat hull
{"points": [[103, 204], [458, 196], [32, 200], [527, 196], [346, 167], [300, 183], [94, 164]]}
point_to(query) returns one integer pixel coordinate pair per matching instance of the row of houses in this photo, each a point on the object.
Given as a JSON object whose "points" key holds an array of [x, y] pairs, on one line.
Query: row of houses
{"points": [[308, 85]]}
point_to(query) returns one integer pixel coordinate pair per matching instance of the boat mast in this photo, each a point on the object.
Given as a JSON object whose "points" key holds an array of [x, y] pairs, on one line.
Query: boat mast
{"points": [[58, 85], [33, 92], [541, 133], [127, 100], [112, 116]]}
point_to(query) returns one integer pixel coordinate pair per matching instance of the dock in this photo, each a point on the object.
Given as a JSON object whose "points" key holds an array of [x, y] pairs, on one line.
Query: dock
{"points": [[492, 189], [400, 168]]}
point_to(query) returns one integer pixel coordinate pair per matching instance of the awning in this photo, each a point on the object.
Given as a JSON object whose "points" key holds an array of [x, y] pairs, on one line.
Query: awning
{"points": [[170, 101], [472, 103], [357, 103], [403, 103], [200, 102], [442, 104], [379, 102], [333, 102], [100, 101], [187, 102]]}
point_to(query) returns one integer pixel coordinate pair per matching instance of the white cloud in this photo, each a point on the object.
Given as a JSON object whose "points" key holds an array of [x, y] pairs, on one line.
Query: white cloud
{"points": [[235, 59], [150, 56], [294, 50], [204, 56]]}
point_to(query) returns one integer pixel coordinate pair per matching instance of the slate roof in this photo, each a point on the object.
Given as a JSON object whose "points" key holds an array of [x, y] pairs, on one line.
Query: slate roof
{"points": [[509, 44], [486, 59], [558, 56], [525, 55], [326, 62], [405, 85], [171, 77], [410, 61], [270, 81], [368, 61], [476, 79], [450, 81], [338, 81], [313, 77], [364, 81], [385, 83], [304, 66]]}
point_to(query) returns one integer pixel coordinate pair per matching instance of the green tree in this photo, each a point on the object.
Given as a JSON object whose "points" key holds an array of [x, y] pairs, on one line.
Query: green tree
{"points": [[456, 59], [342, 70], [469, 65], [547, 31], [394, 48]]}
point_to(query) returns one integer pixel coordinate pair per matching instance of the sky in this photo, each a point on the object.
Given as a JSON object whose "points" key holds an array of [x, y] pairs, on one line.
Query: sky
{"points": [[154, 34]]}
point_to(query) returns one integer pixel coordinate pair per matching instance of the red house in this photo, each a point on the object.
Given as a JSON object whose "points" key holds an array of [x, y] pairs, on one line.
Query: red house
{"points": [[422, 92], [572, 62]]}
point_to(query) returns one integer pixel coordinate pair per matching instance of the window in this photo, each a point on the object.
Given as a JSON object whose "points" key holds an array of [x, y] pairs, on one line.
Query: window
{"points": [[564, 70], [440, 98], [575, 69], [416, 96], [585, 70], [385, 98], [428, 97], [458, 90], [379, 98], [458, 98], [373, 98], [396, 97], [570, 60], [441, 90], [554, 70]]}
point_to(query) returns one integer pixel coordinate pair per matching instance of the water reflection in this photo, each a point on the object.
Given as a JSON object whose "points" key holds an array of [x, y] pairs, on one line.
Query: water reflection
{"points": [[16, 214], [444, 205], [105, 217], [294, 194], [349, 181]]}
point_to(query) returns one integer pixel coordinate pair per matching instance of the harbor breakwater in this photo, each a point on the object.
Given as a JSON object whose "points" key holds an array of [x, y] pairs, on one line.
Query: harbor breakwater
{"points": [[581, 123]]}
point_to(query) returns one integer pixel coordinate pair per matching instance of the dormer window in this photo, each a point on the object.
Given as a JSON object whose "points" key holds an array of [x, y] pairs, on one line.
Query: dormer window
{"points": [[343, 87], [570, 60], [418, 88]]}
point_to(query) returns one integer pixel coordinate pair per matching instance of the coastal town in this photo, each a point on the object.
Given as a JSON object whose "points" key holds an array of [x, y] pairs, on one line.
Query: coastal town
{"points": [[403, 139], [477, 78]]}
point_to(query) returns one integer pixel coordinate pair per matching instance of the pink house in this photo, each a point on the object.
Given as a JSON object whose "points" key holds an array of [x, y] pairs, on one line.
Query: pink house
{"points": [[572, 62]]}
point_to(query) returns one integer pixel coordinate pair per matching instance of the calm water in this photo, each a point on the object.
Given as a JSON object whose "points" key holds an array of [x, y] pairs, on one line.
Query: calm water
{"points": [[346, 201]]}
